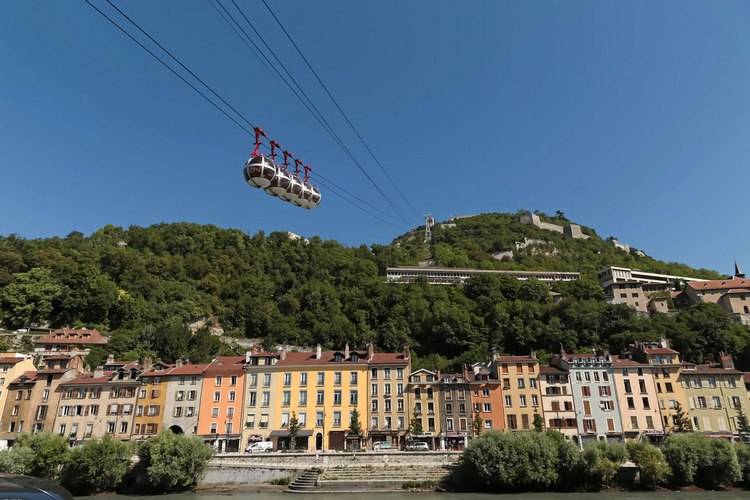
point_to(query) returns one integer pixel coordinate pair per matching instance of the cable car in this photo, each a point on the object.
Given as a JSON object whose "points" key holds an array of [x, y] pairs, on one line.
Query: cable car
{"points": [[315, 199], [280, 183], [306, 197], [259, 171], [294, 191]]}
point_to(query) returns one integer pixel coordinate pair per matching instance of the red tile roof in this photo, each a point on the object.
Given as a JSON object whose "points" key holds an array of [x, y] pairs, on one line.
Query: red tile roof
{"points": [[628, 362], [189, 369], [382, 358], [739, 290], [551, 370], [89, 379], [326, 357], [226, 364], [719, 284], [708, 370], [10, 360], [30, 375], [58, 357], [517, 359], [659, 350], [64, 336], [48, 371]]}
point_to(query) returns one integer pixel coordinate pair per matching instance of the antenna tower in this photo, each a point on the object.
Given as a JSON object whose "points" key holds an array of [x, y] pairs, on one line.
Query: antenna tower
{"points": [[429, 221]]}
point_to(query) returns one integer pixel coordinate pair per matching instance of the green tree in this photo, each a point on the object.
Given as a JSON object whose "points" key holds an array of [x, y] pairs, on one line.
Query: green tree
{"points": [[174, 462], [96, 466], [653, 469], [31, 298], [355, 427], [743, 426], [48, 453], [601, 461], [477, 424], [294, 428], [700, 460], [415, 426], [681, 420], [538, 421]]}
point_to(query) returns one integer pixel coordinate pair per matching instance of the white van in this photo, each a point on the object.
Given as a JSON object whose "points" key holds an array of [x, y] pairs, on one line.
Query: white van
{"points": [[259, 447]]}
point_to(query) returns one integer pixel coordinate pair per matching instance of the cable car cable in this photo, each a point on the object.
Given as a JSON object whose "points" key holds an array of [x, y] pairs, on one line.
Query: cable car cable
{"points": [[337, 104], [172, 70], [180, 63], [168, 67], [331, 132]]}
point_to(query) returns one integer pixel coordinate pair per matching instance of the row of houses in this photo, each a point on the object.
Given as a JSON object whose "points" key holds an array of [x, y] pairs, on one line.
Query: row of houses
{"points": [[236, 400]]}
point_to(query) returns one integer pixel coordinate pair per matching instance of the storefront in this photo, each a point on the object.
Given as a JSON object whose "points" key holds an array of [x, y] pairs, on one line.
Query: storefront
{"points": [[282, 440], [455, 441]]}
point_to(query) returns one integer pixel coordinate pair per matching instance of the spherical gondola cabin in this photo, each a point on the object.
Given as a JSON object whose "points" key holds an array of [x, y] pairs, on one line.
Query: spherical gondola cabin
{"points": [[294, 189], [280, 183], [306, 196], [315, 198], [259, 171]]}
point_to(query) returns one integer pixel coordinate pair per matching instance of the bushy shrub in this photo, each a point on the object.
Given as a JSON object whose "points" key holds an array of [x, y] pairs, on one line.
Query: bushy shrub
{"points": [[97, 465], [653, 469], [174, 462], [743, 457], [600, 462], [520, 461], [700, 460], [41, 455]]}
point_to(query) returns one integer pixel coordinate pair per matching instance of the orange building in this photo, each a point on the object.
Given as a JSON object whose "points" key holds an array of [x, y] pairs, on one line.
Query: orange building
{"points": [[486, 398], [520, 385], [152, 394], [220, 411]]}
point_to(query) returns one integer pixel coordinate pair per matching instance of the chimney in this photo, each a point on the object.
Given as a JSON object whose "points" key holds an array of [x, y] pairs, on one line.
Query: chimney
{"points": [[663, 343], [178, 363], [148, 364], [282, 354], [318, 352], [726, 361], [254, 349], [407, 352], [477, 368], [370, 351], [465, 372], [99, 372], [110, 359], [437, 374], [346, 351], [533, 354]]}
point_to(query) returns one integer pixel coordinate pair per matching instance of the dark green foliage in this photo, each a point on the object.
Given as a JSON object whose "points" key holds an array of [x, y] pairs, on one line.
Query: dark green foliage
{"points": [[143, 285], [743, 458], [600, 462], [174, 462], [41, 455], [499, 462], [96, 466], [700, 460], [653, 469]]}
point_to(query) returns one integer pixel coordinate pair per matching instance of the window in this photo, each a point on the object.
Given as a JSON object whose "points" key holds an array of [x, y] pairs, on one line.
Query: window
{"points": [[430, 407], [353, 397], [190, 411], [253, 380], [488, 424], [266, 380], [302, 419], [215, 412], [417, 393], [448, 408], [337, 419], [532, 383], [123, 428], [487, 407], [178, 411], [400, 389], [303, 379], [508, 401], [386, 373], [337, 378], [321, 380], [534, 400], [218, 381], [586, 390], [607, 405], [521, 384], [320, 398], [287, 379], [587, 376], [232, 396], [649, 422], [286, 398], [400, 405], [522, 400], [337, 397], [399, 373], [252, 397], [353, 378], [449, 424], [717, 402], [701, 401], [233, 380], [631, 404], [374, 389], [374, 405], [628, 388], [374, 374], [387, 390], [642, 385], [285, 419], [668, 386], [217, 396], [461, 394], [214, 427], [303, 398], [462, 408], [266, 398], [596, 376], [263, 421], [179, 395], [646, 405], [374, 422], [512, 422]]}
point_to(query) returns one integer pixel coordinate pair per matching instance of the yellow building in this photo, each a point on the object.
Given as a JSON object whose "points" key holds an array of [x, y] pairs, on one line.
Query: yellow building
{"points": [[423, 394], [12, 366], [714, 393], [520, 387], [666, 377], [320, 388], [388, 403]]}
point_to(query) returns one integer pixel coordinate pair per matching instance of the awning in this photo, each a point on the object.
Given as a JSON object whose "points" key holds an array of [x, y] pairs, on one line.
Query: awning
{"points": [[302, 433]]}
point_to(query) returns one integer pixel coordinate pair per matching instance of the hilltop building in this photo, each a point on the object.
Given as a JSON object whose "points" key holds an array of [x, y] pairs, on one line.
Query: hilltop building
{"points": [[68, 342], [454, 276]]}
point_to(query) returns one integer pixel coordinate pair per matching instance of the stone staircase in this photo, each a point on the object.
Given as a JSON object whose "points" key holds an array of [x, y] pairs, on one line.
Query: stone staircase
{"points": [[383, 478], [307, 482]]}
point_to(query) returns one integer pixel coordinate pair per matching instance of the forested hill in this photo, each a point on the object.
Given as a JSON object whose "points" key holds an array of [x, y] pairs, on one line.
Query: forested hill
{"points": [[143, 285]]}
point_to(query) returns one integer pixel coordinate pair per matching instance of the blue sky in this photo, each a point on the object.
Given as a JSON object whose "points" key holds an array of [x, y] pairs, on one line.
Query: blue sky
{"points": [[630, 116]]}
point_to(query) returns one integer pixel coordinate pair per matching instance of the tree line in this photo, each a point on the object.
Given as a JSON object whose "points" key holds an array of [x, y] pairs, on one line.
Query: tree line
{"points": [[144, 285]]}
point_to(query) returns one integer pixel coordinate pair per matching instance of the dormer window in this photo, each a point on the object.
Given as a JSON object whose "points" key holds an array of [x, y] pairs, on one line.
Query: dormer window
{"points": [[338, 357], [355, 357]]}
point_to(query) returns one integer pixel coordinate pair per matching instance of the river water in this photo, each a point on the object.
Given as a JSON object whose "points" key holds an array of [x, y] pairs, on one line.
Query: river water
{"points": [[245, 495]]}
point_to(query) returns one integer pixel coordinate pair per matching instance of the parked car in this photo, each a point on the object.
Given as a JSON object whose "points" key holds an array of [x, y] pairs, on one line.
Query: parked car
{"points": [[417, 446], [382, 445], [260, 447]]}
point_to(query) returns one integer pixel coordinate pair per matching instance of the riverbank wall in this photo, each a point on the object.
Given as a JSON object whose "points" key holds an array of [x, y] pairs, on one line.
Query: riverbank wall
{"points": [[263, 467]]}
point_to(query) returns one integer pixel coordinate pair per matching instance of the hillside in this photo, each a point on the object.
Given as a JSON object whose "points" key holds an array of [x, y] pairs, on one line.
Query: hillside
{"points": [[144, 285], [474, 242]]}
